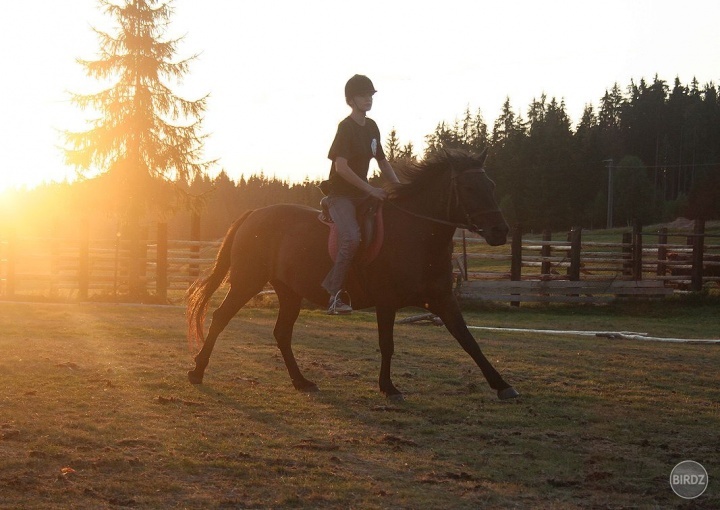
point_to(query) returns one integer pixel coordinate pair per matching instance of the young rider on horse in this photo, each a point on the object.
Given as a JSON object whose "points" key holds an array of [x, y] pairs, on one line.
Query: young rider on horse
{"points": [[356, 142]]}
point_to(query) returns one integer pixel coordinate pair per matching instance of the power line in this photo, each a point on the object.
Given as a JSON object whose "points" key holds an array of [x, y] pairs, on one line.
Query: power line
{"points": [[646, 167]]}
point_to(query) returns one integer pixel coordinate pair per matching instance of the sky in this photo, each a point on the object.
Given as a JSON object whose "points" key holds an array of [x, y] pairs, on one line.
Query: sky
{"points": [[275, 70]]}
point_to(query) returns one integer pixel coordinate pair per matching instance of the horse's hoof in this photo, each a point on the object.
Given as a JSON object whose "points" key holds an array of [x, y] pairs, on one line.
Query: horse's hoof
{"points": [[194, 378], [508, 393], [396, 397]]}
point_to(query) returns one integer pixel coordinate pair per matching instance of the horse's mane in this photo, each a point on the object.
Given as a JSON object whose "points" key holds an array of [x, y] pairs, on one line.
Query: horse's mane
{"points": [[417, 176]]}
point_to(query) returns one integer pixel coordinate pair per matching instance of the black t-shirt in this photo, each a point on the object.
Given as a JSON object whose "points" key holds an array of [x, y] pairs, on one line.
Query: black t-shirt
{"points": [[358, 144]]}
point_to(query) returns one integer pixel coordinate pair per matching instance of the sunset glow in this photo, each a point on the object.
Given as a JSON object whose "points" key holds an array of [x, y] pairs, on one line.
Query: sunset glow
{"points": [[275, 73]]}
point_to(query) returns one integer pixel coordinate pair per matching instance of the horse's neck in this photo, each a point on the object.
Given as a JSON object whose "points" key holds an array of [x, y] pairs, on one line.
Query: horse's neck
{"points": [[430, 200], [429, 204]]}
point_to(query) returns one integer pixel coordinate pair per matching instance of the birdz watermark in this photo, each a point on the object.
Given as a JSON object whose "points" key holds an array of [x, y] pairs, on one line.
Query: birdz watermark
{"points": [[689, 479]]}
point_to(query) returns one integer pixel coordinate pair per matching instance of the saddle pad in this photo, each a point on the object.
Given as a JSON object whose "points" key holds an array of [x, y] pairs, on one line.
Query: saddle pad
{"points": [[368, 251]]}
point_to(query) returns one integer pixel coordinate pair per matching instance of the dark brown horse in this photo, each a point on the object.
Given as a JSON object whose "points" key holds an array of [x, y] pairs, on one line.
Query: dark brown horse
{"points": [[286, 245]]}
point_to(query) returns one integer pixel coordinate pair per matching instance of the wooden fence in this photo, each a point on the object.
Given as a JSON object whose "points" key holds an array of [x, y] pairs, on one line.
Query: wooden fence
{"points": [[529, 269], [574, 269], [90, 268]]}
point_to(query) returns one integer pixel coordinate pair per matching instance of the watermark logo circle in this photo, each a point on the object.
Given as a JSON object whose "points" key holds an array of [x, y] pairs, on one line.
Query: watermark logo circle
{"points": [[689, 479]]}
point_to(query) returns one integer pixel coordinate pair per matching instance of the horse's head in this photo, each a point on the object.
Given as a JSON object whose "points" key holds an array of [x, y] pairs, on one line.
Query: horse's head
{"points": [[473, 198], [468, 194]]}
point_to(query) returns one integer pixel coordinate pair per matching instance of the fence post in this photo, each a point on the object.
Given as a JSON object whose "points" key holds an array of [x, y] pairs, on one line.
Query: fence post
{"points": [[545, 252], [516, 257], [516, 254], [627, 247], [84, 262], [696, 282], [575, 243], [116, 264], [161, 263], [465, 256], [143, 261], [637, 253], [662, 252], [133, 265]]}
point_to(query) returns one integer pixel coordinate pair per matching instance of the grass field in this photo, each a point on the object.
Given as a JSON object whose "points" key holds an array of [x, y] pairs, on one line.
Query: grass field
{"points": [[95, 412]]}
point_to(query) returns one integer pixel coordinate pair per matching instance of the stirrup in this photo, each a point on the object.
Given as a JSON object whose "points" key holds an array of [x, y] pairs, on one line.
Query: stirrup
{"points": [[337, 306]]}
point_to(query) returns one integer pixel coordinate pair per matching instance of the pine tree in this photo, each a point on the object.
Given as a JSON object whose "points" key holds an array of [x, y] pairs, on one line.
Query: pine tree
{"points": [[609, 123], [408, 152], [145, 133], [442, 138], [392, 146], [478, 136], [507, 162]]}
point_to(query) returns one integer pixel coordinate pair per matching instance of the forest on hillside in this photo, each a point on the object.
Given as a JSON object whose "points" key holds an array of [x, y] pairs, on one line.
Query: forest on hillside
{"points": [[660, 142]]}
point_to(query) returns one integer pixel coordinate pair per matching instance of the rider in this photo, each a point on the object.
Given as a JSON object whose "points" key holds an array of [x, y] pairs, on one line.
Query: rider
{"points": [[356, 142]]}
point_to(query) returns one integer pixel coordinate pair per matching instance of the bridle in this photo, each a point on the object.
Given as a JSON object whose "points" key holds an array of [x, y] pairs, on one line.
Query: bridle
{"points": [[454, 199], [455, 196]]}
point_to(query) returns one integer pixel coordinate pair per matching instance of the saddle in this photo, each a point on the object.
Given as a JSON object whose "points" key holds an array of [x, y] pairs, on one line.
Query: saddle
{"points": [[370, 220]]}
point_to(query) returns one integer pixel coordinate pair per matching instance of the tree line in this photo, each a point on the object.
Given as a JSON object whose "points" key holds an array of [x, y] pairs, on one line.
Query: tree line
{"points": [[661, 145]]}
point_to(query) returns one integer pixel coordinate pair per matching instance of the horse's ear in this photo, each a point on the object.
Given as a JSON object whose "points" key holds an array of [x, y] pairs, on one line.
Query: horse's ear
{"points": [[483, 156]]}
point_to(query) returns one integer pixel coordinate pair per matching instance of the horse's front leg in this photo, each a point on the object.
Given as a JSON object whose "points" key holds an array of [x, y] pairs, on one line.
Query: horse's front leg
{"points": [[386, 322], [449, 311], [290, 303]]}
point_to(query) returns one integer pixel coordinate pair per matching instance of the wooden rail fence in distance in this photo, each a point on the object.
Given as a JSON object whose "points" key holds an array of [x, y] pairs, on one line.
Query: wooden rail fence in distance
{"points": [[87, 268]]}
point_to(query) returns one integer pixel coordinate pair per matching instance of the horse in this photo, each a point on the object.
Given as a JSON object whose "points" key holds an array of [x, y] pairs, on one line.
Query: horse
{"points": [[287, 246]]}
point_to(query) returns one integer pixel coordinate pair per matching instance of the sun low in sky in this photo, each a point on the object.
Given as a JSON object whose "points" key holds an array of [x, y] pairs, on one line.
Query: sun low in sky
{"points": [[275, 71]]}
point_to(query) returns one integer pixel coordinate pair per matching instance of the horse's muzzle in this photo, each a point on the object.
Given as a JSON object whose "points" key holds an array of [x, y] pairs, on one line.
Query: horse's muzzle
{"points": [[496, 235]]}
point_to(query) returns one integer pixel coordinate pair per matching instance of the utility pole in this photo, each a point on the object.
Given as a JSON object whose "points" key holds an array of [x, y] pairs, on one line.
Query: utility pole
{"points": [[609, 163]]}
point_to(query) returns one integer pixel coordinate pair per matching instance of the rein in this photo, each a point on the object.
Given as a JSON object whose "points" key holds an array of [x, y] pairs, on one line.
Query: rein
{"points": [[434, 220], [454, 198]]}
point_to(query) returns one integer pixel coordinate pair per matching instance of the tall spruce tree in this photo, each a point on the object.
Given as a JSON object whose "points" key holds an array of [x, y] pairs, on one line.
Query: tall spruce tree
{"points": [[507, 164], [145, 134], [392, 146]]}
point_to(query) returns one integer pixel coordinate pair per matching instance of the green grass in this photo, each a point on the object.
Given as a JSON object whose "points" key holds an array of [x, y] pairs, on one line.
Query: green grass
{"points": [[96, 412]]}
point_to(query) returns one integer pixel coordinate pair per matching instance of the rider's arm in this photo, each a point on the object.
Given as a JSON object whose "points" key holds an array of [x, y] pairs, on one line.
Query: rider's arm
{"points": [[344, 170], [387, 170]]}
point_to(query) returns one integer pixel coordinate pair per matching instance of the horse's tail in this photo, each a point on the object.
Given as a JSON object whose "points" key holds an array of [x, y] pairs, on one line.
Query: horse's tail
{"points": [[198, 295]]}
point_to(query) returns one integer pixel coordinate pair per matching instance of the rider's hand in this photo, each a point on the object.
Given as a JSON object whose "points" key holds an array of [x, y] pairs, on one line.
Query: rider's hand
{"points": [[378, 193]]}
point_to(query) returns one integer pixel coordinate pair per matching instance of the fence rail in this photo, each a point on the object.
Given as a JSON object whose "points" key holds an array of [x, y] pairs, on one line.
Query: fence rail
{"points": [[565, 291], [163, 269], [670, 260], [87, 267]]}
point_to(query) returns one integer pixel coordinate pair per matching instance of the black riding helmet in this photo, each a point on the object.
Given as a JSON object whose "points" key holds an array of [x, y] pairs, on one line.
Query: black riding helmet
{"points": [[358, 85]]}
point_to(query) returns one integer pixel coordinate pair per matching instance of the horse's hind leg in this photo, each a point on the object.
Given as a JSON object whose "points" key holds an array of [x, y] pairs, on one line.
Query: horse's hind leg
{"points": [[290, 303], [233, 302]]}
